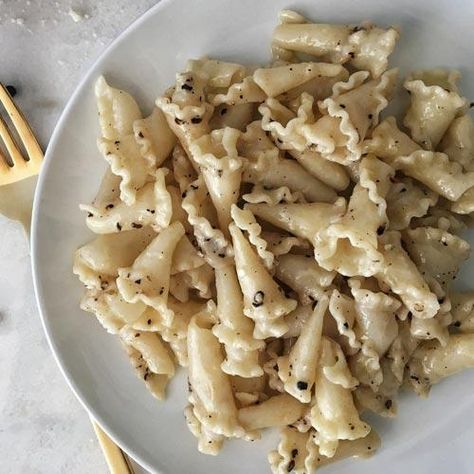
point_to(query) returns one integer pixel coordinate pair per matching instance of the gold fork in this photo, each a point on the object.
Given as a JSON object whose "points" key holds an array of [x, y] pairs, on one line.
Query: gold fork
{"points": [[16, 196]]}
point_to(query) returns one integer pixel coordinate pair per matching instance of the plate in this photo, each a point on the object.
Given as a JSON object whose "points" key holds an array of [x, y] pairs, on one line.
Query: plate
{"points": [[428, 436]]}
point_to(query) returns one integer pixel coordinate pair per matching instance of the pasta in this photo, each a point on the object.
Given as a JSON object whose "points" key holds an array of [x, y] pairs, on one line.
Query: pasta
{"points": [[270, 231]]}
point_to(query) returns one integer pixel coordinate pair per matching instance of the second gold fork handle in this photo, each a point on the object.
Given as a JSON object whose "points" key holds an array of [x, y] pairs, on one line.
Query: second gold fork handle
{"points": [[116, 459]]}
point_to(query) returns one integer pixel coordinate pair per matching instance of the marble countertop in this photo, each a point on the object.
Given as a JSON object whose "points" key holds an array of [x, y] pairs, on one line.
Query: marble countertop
{"points": [[46, 46]]}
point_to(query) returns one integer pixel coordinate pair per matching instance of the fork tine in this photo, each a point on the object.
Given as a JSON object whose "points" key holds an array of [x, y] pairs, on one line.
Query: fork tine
{"points": [[12, 148], [28, 139], [4, 167]]}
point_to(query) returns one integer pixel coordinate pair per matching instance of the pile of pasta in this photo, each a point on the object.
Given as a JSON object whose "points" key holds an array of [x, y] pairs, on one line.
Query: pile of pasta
{"points": [[266, 229]]}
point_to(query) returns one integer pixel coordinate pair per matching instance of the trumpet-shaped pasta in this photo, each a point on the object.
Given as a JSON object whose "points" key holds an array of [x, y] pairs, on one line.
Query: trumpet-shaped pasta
{"points": [[153, 350], [302, 274], [235, 330], [147, 279], [371, 48], [152, 207], [117, 110], [245, 220], [330, 173], [126, 161], [156, 383], [406, 200], [210, 240], [458, 142], [297, 370], [431, 362], [376, 327], [388, 141], [221, 168], [271, 170], [154, 138], [96, 303], [302, 220], [186, 111], [296, 453], [333, 413], [327, 42], [217, 74], [211, 396], [436, 253], [349, 246], [354, 108], [402, 276], [286, 127], [431, 111], [97, 263], [263, 301], [279, 80], [342, 309], [446, 177], [280, 410], [297, 319]]}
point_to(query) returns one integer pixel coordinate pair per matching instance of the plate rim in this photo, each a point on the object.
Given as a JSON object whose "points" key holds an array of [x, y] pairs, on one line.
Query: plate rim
{"points": [[39, 297]]}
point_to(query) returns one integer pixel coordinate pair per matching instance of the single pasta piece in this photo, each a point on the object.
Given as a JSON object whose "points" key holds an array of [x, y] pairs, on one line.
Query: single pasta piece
{"points": [[148, 278], [263, 300], [221, 167], [333, 413], [431, 111], [432, 362], [211, 395], [280, 410], [235, 330], [297, 370]]}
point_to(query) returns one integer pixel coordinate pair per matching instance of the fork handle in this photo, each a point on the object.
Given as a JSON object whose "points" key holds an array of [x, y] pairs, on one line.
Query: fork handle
{"points": [[116, 459]]}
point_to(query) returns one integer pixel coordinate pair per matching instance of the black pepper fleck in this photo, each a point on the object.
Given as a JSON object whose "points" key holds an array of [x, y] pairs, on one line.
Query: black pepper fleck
{"points": [[300, 385], [258, 299]]}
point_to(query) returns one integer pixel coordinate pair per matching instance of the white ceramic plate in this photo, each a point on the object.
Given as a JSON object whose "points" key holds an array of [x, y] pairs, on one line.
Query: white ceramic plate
{"points": [[431, 436]]}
